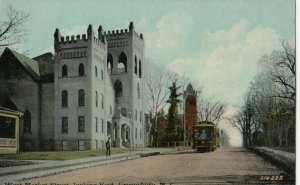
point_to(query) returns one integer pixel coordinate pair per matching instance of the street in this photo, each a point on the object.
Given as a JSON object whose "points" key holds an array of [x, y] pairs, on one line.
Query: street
{"points": [[223, 166]]}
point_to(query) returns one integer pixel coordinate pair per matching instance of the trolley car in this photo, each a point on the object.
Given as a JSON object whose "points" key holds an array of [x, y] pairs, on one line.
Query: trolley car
{"points": [[206, 137]]}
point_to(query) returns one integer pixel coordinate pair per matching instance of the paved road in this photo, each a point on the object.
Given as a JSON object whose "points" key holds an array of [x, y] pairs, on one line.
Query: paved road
{"points": [[223, 166]]}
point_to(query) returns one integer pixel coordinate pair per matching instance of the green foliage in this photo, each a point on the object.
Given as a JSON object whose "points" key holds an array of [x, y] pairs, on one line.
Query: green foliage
{"points": [[172, 134]]}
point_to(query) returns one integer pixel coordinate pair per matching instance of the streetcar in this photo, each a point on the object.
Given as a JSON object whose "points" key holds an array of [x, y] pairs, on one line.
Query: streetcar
{"points": [[206, 137]]}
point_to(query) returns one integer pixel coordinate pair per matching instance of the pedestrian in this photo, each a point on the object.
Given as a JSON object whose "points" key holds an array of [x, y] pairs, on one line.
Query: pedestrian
{"points": [[107, 144]]}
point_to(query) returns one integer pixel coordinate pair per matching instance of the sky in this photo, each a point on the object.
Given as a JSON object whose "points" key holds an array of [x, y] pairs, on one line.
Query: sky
{"points": [[216, 43]]}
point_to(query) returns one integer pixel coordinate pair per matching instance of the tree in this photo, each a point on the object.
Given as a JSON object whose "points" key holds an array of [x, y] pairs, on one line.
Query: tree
{"points": [[284, 72], [268, 114], [157, 79], [12, 32], [210, 110], [173, 112]]}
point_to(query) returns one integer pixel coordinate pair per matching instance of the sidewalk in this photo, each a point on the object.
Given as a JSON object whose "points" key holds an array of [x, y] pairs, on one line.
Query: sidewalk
{"points": [[282, 159], [44, 168]]}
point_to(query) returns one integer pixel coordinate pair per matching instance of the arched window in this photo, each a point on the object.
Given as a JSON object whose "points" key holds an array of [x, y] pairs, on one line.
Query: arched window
{"points": [[135, 65], [109, 63], [81, 70], [81, 97], [140, 69], [64, 71], [64, 98], [118, 88], [96, 97], [27, 122], [122, 64], [96, 71], [138, 91]]}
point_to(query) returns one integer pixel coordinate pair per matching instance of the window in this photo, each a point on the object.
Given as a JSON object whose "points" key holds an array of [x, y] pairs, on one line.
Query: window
{"points": [[64, 71], [109, 63], [127, 135], [64, 98], [102, 102], [64, 124], [140, 69], [138, 91], [122, 64], [96, 71], [136, 133], [81, 124], [108, 128], [81, 144], [140, 116], [27, 122], [110, 110], [101, 74], [81, 97], [96, 98], [81, 70], [118, 88], [140, 133], [102, 126], [135, 114], [96, 124], [135, 65], [123, 112], [65, 146]]}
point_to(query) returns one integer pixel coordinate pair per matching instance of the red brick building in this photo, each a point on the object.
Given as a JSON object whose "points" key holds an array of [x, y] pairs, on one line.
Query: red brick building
{"points": [[190, 111]]}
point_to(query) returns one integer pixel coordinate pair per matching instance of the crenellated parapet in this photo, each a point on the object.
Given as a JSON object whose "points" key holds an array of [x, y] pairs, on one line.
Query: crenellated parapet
{"points": [[124, 37], [123, 33], [80, 40]]}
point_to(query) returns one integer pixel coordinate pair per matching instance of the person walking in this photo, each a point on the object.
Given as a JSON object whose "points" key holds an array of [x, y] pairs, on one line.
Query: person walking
{"points": [[107, 144]]}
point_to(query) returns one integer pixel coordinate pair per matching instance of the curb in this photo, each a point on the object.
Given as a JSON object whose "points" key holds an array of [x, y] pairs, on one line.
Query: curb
{"points": [[104, 161], [48, 170], [150, 154], [280, 161]]}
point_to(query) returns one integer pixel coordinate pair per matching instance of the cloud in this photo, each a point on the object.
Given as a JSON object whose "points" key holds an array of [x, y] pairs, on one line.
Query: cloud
{"points": [[81, 29], [226, 67], [172, 28], [170, 32], [143, 24]]}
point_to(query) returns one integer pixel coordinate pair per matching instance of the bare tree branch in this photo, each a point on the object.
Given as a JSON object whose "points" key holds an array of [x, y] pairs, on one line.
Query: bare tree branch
{"points": [[12, 32]]}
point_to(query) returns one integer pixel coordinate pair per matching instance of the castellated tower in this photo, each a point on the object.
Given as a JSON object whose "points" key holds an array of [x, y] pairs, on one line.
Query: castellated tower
{"points": [[99, 91], [84, 97], [125, 58]]}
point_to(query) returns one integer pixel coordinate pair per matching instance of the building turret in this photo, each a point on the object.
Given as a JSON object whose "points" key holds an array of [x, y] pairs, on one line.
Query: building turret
{"points": [[57, 38], [100, 32], [90, 31], [131, 27]]}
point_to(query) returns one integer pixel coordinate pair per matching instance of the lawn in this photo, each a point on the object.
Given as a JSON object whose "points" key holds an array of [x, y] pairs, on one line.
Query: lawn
{"points": [[14, 163], [60, 155]]}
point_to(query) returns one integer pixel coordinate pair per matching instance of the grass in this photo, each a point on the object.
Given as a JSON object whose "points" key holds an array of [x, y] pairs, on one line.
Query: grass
{"points": [[14, 163], [61, 155]]}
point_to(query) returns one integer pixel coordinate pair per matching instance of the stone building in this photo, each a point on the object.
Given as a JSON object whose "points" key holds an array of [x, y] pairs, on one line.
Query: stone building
{"points": [[90, 89]]}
